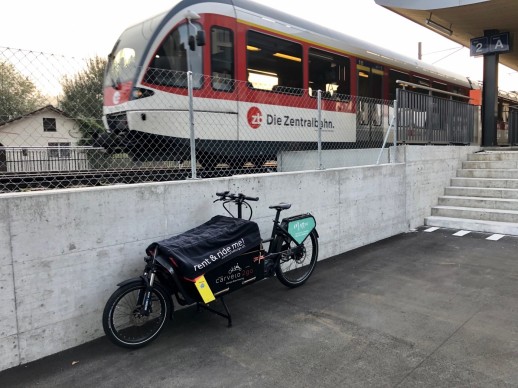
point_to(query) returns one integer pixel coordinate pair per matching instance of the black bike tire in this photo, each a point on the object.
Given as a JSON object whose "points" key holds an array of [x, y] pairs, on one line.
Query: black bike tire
{"points": [[283, 277], [108, 325]]}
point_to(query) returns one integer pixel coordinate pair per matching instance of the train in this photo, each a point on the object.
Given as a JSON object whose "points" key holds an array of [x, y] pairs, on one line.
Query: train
{"points": [[256, 75]]}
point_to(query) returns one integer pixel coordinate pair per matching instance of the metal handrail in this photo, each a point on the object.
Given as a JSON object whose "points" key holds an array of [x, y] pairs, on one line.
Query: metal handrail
{"points": [[405, 83]]}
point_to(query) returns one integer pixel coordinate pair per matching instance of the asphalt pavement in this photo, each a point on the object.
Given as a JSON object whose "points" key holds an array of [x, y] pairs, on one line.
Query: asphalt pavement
{"points": [[421, 309]]}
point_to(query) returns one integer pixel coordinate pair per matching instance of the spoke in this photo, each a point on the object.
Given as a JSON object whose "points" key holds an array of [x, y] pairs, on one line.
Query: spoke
{"points": [[127, 322]]}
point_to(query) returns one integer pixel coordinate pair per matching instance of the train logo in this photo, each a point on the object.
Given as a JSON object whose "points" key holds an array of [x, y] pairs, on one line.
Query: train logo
{"points": [[116, 97], [255, 117]]}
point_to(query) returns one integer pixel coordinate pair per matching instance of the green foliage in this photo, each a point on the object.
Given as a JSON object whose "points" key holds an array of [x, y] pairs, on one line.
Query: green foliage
{"points": [[18, 94], [83, 98]]}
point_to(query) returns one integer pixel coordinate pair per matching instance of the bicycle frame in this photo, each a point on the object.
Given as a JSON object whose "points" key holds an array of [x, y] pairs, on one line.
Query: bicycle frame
{"points": [[270, 258]]}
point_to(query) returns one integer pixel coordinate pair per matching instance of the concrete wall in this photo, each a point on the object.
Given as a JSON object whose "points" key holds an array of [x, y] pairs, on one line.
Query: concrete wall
{"points": [[62, 252], [309, 160]]}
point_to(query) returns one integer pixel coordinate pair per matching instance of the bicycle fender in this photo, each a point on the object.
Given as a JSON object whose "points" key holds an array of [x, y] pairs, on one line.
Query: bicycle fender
{"points": [[142, 279]]}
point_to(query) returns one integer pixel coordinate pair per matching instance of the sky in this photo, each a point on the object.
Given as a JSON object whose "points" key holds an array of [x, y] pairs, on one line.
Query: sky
{"points": [[83, 29]]}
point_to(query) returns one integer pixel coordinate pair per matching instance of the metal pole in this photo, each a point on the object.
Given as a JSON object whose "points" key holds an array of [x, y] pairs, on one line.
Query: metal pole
{"points": [[319, 107], [386, 138], [191, 125], [395, 122]]}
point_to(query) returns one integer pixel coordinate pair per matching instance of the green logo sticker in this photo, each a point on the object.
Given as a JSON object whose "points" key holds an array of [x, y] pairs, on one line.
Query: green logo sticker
{"points": [[300, 229]]}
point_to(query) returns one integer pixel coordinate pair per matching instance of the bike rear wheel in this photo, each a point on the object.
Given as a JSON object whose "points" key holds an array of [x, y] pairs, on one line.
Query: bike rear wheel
{"points": [[296, 266], [124, 322]]}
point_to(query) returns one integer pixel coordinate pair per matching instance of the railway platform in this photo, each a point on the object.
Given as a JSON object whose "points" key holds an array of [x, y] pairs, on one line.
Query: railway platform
{"points": [[431, 308]]}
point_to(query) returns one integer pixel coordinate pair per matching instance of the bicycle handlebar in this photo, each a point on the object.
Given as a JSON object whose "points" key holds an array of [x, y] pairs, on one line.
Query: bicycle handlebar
{"points": [[239, 197]]}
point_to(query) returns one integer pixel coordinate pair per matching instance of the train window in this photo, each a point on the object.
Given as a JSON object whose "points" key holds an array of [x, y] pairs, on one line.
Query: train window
{"points": [[222, 58], [169, 65], [395, 75], [273, 64], [421, 81], [329, 73], [121, 66], [460, 90], [370, 79], [440, 86]]}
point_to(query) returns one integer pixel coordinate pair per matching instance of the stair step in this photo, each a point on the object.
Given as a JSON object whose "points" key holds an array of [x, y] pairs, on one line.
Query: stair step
{"points": [[485, 182], [476, 213], [493, 156], [499, 164], [485, 192], [483, 196], [473, 224], [507, 173], [478, 202]]}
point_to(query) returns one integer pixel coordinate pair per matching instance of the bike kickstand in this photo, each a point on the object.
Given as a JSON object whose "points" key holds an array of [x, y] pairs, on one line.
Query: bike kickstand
{"points": [[207, 307], [229, 317]]}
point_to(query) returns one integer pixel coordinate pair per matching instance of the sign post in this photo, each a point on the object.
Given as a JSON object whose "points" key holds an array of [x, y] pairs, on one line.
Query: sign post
{"points": [[491, 45]]}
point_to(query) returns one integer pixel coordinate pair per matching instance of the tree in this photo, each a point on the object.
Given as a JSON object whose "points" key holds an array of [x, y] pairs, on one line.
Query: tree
{"points": [[18, 94], [83, 98]]}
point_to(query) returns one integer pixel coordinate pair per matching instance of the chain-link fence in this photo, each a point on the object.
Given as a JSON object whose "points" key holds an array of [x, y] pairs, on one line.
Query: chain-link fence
{"points": [[172, 127]]}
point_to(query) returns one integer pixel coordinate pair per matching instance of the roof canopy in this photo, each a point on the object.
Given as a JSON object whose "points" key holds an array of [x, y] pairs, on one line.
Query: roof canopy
{"points": [[464, 19]]}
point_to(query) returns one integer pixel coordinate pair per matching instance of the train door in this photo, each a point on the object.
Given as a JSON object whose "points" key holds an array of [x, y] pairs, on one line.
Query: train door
{"points": [[221, 118], [394, 77], [369, 111]]}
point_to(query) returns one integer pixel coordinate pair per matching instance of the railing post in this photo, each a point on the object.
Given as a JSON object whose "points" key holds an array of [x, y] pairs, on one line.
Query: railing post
{"points": [[391, 126], [396, 121], [451, 123], [401, 119], [512, 126], [319, 107], [191, 125]]}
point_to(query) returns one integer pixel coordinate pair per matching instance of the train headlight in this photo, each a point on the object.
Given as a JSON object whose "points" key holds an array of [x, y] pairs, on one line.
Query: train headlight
{"points": [[141, 93]]}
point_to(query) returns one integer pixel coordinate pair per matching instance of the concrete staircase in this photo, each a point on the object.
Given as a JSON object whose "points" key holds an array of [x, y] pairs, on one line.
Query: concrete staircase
{"points": [[483, 197]]}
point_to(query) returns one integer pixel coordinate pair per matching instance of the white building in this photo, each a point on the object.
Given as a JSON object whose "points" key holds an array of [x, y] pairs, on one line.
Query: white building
{"points": [[44, 140]]}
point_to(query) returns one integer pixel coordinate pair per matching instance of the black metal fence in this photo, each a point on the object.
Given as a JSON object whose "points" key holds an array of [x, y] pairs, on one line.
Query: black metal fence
{"points": [[513, 125], [64, 159], [39, 159], [429, 119]]}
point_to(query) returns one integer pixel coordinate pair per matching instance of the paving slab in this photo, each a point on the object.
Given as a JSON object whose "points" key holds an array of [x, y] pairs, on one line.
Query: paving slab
{"points": [[427, 309]]}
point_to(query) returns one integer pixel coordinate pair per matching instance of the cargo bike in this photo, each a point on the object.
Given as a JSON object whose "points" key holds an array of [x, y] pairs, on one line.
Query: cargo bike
{"points": [[206, 263]]}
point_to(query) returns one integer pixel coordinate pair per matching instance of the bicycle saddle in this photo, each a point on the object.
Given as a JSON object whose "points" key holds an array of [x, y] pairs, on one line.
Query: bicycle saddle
{"points": [[281, 206]]}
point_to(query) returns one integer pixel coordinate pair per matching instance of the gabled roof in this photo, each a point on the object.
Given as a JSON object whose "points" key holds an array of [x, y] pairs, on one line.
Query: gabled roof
{"points": [[45, 108]]}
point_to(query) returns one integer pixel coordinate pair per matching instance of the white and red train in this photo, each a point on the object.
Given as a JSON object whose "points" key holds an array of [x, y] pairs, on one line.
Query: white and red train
{"points": [[278, 63]]}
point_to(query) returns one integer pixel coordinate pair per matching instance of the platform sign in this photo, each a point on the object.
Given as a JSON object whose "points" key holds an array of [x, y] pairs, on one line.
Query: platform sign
{"points": [[479, 46], [499, 43], [496, 43]]}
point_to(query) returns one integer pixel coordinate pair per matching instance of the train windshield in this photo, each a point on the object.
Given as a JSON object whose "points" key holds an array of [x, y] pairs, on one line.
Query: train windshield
{"points": [[125, 56]]}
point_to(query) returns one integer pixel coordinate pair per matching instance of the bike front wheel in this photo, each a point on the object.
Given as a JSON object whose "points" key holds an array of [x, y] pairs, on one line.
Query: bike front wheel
{"points": [[297, 263], [124, 321]]}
